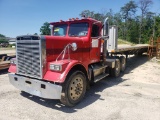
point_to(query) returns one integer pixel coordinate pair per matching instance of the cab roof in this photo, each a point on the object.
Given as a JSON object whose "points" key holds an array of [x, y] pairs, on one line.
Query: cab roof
{"points": [[75, 20]]}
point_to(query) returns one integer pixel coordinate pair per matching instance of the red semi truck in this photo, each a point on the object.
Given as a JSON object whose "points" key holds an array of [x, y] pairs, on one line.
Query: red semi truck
{"points": [[61, 66]]}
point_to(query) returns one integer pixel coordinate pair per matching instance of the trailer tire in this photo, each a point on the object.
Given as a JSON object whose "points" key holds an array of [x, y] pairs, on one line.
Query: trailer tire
{"points": [[139, 54], [122, 63], [74, 89], [115, 72]]}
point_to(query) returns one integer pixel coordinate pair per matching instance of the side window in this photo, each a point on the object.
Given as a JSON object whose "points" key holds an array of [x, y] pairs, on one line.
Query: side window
{"points": [[95, 31], [60, 30]]}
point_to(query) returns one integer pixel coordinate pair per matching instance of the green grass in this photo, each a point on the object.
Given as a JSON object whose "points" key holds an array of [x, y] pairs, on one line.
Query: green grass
{"points": [[120, 41], [8, 48]]}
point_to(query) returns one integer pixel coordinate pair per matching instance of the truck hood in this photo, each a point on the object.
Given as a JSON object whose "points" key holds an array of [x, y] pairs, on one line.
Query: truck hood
{"points": [[56, 44]]}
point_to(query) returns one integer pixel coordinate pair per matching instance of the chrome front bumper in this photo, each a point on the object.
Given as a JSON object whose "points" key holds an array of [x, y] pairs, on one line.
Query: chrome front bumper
{"points": [[36, 87]]}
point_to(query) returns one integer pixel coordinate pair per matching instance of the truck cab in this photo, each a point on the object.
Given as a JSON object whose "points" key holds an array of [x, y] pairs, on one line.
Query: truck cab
{"points": [[62, 65]]}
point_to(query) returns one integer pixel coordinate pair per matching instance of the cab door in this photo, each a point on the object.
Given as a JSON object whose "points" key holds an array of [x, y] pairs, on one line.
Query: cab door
{"points": [[95, 44]]}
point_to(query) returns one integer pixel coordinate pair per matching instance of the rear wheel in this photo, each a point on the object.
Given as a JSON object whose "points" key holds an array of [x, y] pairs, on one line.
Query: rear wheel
{"points": [[123, 63], [115, 72], [74, 89]]}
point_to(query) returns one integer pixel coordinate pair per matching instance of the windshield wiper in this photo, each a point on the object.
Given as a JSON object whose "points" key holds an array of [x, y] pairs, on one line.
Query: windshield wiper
{"points": [[74, 35]]}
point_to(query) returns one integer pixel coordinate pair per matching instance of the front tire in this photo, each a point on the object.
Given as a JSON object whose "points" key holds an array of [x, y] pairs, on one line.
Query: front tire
{"points": [[74, 89]]}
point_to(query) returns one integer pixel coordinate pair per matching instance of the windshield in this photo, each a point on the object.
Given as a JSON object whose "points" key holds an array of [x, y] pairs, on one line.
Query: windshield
{"points": [[78, 29], [60, 30]]}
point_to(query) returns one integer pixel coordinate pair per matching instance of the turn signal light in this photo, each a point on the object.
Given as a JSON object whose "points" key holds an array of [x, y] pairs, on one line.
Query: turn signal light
{"points": [[13, 61]]}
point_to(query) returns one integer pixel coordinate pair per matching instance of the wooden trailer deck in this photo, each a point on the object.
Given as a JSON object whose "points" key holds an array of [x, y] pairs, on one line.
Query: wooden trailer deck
{"points": [[129, 49]]}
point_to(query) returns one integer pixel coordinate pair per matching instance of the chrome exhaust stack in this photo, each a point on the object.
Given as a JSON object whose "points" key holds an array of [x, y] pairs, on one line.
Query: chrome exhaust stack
{"points": [[105, 35]]}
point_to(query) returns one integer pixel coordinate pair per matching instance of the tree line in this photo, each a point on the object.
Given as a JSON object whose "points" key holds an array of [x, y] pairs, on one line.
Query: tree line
{"points": [[135, 22], [3, 39]]}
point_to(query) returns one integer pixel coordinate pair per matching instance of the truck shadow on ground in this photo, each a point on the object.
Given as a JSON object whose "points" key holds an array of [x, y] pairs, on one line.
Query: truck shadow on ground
{"points": [[2, 72], [92, 94]]}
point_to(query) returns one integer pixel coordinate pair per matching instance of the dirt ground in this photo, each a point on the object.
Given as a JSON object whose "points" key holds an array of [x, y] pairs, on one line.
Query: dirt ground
{"points": [[8, 51], [135, 95]]}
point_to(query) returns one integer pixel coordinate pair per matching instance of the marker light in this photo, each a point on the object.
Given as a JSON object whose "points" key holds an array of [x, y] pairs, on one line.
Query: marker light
{"points": [[13, 61]]}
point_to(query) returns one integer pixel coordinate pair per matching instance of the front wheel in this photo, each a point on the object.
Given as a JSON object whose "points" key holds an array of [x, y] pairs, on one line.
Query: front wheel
{"points": [[74, 89]]}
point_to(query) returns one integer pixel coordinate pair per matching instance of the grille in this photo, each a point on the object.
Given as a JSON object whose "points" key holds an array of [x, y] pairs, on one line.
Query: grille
{"points": [[29, 56]]}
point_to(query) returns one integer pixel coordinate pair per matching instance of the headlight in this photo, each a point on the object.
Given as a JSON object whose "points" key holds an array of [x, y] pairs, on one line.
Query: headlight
{"points": [[13, 61], [55, 67]]}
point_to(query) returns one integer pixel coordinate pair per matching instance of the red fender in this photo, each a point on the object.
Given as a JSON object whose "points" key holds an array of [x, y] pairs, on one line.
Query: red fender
{"points": [[60, 77]]}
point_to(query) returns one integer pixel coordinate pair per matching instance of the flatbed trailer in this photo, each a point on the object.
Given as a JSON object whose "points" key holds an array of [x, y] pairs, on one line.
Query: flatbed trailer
{"points": [[126, 50], [129, 49], [123, 49]]}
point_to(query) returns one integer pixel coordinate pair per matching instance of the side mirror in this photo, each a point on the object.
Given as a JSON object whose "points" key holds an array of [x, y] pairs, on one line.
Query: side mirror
{"points": [[74, 46]]}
